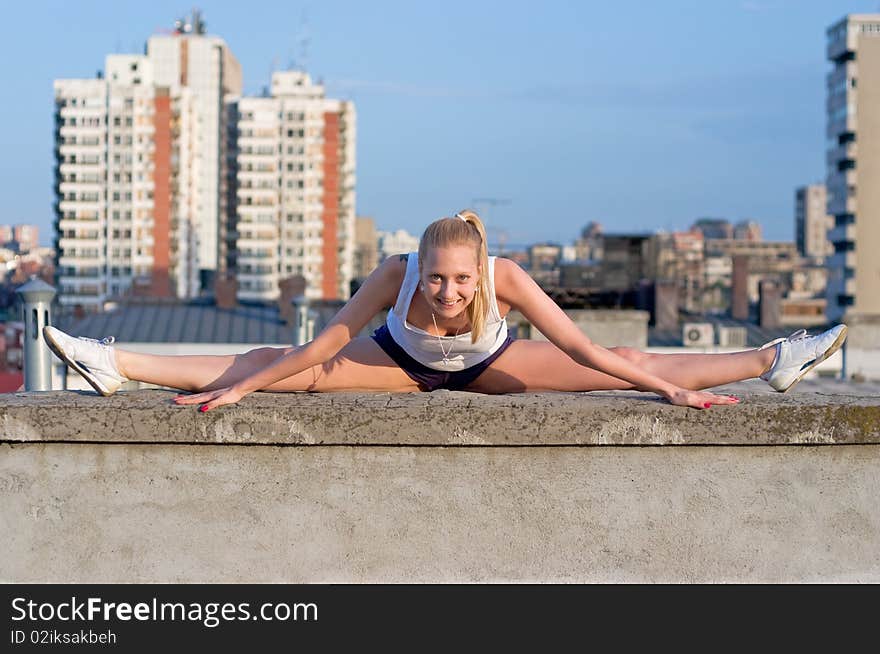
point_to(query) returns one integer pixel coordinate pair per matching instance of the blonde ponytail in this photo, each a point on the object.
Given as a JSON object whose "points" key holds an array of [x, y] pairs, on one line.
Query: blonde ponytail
{"points": [[465, 228]]}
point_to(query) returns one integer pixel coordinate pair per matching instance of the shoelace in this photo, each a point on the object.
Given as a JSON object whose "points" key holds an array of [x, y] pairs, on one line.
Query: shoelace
{"points": [[799, 335], [107, 340]]}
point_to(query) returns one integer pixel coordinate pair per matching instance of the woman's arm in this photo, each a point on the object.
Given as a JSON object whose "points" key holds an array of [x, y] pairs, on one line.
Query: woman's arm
{"points": [[377, 292], [515, 287]]}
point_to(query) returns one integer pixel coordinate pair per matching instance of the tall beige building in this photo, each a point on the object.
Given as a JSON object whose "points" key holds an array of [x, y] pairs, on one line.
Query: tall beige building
{"points": [[296, 199], [204, 64], [122, 144], [812, 222], [141, 170], [853, 158]]}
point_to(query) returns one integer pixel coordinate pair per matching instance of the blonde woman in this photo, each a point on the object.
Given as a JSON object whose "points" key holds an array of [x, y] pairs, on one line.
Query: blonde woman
{"points": [[446, 329]]}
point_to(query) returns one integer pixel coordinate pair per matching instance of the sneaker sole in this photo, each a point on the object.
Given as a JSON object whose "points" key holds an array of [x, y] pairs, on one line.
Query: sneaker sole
{"points": [[85, 374], [831, 350]]}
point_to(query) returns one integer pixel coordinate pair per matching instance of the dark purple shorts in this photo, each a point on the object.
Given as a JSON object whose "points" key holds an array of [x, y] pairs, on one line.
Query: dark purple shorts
{"points": [[428, 378]]}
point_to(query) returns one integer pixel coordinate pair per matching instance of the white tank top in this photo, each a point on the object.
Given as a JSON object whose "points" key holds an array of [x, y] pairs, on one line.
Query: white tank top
{"points": [[425, 347]]}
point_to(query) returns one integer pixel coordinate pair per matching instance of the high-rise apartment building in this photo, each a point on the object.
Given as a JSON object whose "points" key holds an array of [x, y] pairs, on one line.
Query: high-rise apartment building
{"points": [[853, 165], [125, 158], [295, 179], [204, 64], [141, 170], [812, 222]]}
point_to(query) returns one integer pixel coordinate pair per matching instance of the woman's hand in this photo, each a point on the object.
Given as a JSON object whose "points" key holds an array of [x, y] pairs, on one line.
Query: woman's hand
{"points": [[698, 399], [212, 399]]}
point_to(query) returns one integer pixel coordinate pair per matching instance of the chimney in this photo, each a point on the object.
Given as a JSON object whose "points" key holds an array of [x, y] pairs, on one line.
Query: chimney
{"points": [[665, 305], [770, 304], [740, 288], [225, 292], [290, 287]]}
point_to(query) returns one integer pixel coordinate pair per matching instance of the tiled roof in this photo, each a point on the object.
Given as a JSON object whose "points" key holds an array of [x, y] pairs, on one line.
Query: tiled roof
{"points": [[183, 323], [11, 380], [198, 322]]}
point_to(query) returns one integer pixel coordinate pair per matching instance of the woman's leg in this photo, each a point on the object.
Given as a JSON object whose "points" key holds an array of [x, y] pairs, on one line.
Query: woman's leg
{"points": [[536, 365], [360, 365]]}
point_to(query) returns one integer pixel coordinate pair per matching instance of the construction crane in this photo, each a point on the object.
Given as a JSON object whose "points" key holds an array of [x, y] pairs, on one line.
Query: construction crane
{"points": [[500, 235]]}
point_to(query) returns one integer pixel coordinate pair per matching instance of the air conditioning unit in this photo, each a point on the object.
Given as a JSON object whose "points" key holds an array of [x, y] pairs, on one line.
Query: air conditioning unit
{"points": [[698, 334], [732, 336]]}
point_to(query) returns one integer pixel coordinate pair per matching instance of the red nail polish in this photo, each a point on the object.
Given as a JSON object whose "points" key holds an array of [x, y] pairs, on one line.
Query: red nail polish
{"points": [[707, 405], [203, 408]]}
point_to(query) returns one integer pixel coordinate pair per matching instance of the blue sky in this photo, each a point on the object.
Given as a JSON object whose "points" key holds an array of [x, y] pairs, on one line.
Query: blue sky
{"points": [[641, 115]]}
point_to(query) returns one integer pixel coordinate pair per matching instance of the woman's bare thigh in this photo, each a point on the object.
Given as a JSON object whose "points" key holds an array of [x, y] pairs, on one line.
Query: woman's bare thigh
{"points": [[359, 366], [541, 366]]}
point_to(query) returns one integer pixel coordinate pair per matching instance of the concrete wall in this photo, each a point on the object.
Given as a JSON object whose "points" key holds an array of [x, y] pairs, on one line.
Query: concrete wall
{"points": [[439, 487], [607, 327], [862, 349]]}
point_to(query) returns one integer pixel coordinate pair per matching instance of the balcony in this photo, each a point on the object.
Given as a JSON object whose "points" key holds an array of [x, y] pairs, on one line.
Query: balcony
{"points": [[840, 52]]}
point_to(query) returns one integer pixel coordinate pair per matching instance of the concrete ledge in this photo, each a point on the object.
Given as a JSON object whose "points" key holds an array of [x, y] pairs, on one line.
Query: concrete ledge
{"points": [[440, 487], [444, 418]]}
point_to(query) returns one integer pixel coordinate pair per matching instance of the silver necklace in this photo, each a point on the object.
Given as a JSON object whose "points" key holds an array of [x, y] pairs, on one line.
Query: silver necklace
{"points": [[440, 340]]}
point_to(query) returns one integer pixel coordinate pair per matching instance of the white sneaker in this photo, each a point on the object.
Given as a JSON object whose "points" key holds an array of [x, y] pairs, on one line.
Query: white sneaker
{"points": [[799, 354], [92, 359]]}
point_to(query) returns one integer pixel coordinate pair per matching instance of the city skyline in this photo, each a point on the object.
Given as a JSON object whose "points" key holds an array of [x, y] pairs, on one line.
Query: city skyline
{"points": [[642, 122]]}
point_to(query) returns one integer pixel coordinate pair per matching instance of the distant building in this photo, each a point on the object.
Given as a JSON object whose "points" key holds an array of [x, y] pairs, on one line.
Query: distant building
{"points": [[205, 66], [853, 165], [366, 247], [724, 275], [812, 222], [140, 170], [544, 256], [38, 261], [589, 245], [678, 257], [398, 242], [295, 174], [569, 254], [28, 237], [21, 238], [747, 230], [713, 227], [543, 264], [625, 261], [114, 233], [775, 261]]}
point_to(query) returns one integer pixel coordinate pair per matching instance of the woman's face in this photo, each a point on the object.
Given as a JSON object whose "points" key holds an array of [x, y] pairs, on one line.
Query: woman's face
{"points": [[449, 279]]}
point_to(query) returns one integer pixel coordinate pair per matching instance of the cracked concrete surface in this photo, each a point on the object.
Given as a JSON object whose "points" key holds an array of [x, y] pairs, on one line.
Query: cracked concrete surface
{"points": [[441, 487], [443, 418]]}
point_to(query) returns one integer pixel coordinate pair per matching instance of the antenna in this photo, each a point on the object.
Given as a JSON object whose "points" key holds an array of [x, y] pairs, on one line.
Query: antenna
{"points": [[199, 26], [273, 67], [303, 42]]}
